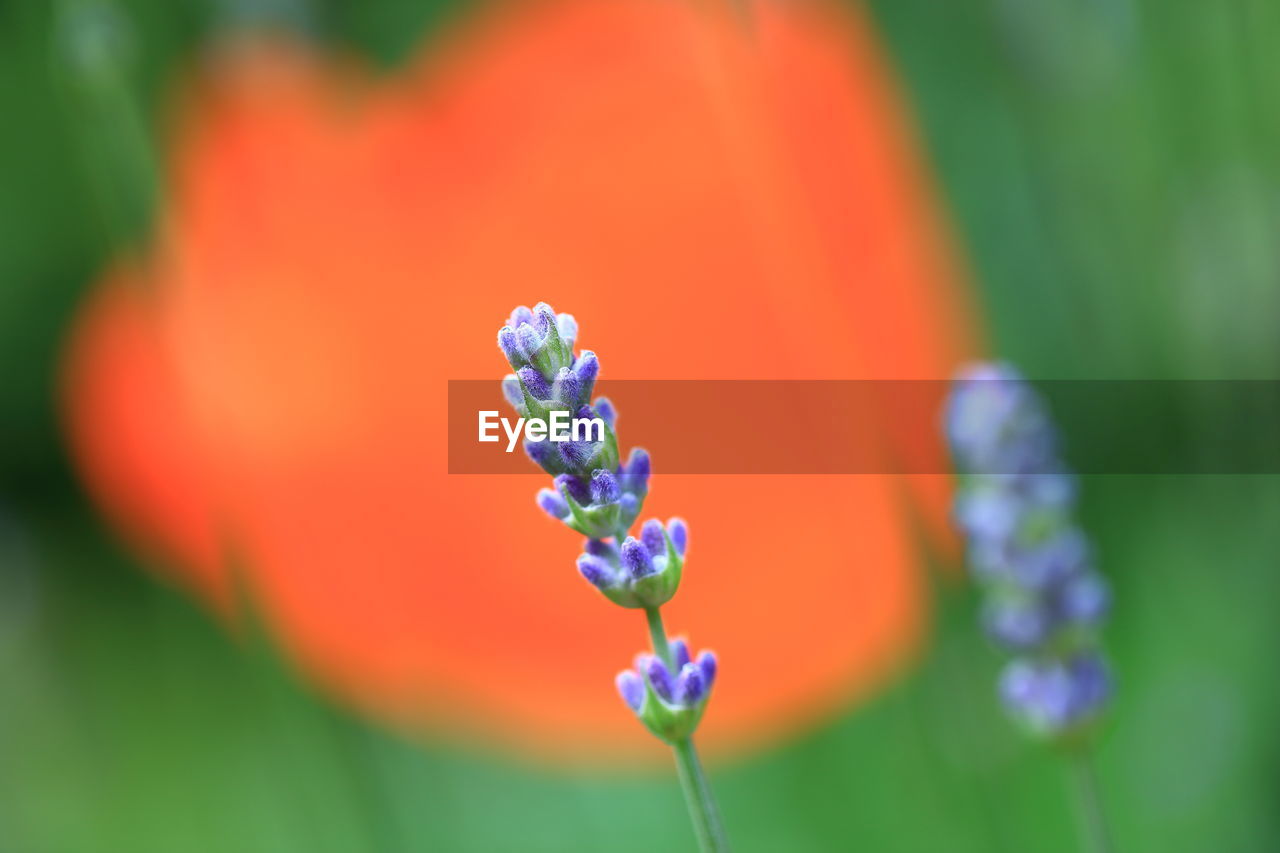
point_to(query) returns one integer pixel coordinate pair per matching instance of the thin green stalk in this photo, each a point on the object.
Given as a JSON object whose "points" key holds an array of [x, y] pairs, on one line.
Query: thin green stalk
{"points": [[1093, 825], [693, 779], [658, 635]]}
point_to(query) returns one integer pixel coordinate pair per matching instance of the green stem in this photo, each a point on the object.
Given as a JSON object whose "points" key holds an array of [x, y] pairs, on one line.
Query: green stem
{"points": [[1093, 824], [658, 635], [693, 779], [701, 802]]}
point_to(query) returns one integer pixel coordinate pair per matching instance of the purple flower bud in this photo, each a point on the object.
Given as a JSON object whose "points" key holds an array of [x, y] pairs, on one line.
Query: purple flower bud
{"points": [[1084, 599], [690, 687], [631, 689], [604, 487], [605, 410], [679, 533], [544, 453], [1018, 683], [651, 536], [604, 550], [638, 469], [636, 559], [528, 341], [595, 570], [567, 390], [534, 382], [1017, 625], [708, 664], [522, 315], [510, 346], [511, 391], [679, 652], [1040, 566], [586, 368], [544, 318], [988, 515], [567, 326], [576, 454], [575, 487], [1091, 684], [630, 505], [553, 504], [659, 678]]}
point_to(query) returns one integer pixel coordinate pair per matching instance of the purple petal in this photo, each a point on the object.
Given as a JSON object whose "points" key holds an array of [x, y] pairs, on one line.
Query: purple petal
{"points": [[567, 389], [567, 326], [679, 652], [1091, 684], [522, 314], [631, 689], [651, 536], [534, 383], [511, 390], [576, 454], [604, 487], [636, 559], [1018, 625], [553, 504], [544, 453], [690, 685], [606, 411], [544, 318], [638, 469], [595, 570], [529, 342], [575, 487], [586, 368], [660, 678], [604, 550], [679, 533], [1084, 599], [510, 346], [709, 665]]}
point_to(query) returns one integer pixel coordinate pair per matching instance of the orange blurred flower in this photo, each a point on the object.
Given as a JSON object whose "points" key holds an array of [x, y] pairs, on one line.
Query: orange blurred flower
{"points": [[267, 388]]}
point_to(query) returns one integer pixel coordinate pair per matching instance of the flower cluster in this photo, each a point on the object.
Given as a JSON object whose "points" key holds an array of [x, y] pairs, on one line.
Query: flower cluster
{"points": [[593, 494], [600, 497], [669, 703], [644, 572], [1044, 600]]}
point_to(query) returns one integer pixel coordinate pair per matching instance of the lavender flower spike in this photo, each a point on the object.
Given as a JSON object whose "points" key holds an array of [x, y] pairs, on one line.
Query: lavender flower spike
{"points": [[600, 497], [1045, 601]]}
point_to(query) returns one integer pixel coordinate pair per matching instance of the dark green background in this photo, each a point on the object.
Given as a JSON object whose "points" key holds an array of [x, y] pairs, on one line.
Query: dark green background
{"points": [[1112, 171]]}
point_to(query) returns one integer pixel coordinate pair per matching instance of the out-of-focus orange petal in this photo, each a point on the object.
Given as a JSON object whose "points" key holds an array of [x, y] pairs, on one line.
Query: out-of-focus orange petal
{"points": [[710, 202], [133, 440]]}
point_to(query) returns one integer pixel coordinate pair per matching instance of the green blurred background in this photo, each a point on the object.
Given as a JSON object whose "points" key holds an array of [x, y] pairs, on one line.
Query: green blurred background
{"points": [[1113, 172]]}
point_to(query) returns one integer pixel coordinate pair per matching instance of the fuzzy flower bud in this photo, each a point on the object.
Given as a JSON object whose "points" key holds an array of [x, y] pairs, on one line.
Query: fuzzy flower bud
{"points": [[639, 573], [670, 702]]}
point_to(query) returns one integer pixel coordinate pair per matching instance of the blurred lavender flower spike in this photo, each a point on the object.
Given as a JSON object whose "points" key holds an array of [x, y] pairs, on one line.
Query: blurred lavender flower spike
{"points": [[1055, 698], [1045, 600], [669, 701], [642, 572]]}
